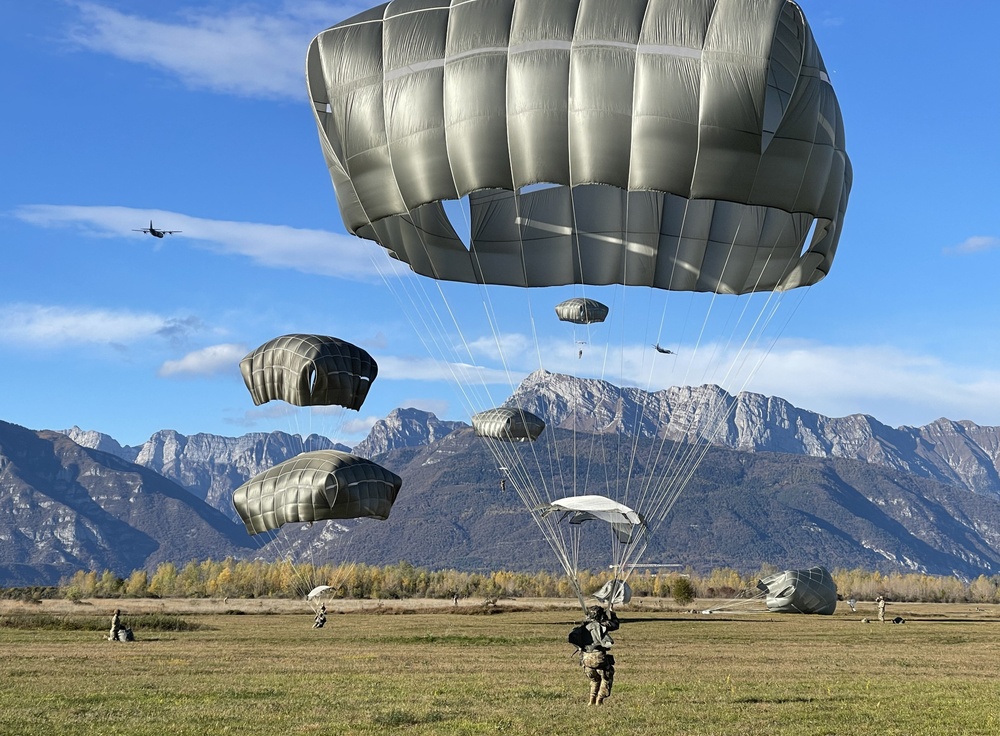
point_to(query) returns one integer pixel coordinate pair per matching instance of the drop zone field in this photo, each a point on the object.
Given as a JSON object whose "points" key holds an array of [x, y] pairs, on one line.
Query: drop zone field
{"points": [[423, 667]]}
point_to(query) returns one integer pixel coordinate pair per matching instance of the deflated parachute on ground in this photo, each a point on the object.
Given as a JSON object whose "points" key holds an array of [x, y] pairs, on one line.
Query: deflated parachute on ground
{"points": [[800, 591], [313, 486], [689, 144], [581, 311], [510, 425], [626, 523], [309, 370]]}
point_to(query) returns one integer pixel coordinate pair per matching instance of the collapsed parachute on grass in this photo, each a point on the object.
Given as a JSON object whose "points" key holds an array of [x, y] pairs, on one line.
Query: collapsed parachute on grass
{"points": [[691, 146], [314, 486], [309, 370], [626, 523], [581, 311], [800, 591], [507, 424]]}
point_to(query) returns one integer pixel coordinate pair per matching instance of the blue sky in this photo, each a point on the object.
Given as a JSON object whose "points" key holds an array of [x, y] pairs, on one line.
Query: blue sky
{"points": [[195, 115]]}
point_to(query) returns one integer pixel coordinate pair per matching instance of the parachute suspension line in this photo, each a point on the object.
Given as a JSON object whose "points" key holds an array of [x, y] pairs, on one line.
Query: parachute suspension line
{"points": [[655, 453], [682, 465], [559, 539], [720, 415], [567, 551]]}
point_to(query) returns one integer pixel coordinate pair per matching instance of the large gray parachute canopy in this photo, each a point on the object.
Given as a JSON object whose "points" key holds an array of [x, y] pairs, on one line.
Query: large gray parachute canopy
{"points": [[511, 425], [581, 311], [309, 370], [800, 591], [627, 525], [313, 486], [693, 145]]}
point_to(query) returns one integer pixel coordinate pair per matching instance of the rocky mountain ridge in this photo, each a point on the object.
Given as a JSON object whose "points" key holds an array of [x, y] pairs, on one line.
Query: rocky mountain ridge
{"points": [[781, 485], [64, 507], [959, 453]]}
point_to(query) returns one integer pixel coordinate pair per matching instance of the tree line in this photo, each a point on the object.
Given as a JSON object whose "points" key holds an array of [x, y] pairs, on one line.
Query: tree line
{"points": [[231, 578]]}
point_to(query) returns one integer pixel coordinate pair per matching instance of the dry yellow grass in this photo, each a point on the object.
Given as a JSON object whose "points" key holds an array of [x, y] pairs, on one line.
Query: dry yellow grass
{"points": [[427, 667]]}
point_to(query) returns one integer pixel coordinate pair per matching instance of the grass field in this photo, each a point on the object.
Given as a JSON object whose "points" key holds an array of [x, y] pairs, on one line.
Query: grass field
{"points": [[421, 667]]}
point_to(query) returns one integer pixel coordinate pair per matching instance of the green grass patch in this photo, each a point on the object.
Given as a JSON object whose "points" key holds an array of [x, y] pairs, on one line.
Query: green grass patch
{"points": [[435, 674], [138, 622]]}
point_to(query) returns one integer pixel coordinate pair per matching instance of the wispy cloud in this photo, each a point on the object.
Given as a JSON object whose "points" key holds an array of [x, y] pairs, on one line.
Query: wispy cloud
{"points": [[395, 368], [975, 244], [271, 246], [895, 386], [242, 52], [208, 361], [58, 326], [337, 423]]}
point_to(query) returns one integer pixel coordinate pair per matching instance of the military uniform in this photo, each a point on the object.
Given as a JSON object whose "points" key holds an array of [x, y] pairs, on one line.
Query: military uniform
{"points": [[320, 621], [594, 644]]}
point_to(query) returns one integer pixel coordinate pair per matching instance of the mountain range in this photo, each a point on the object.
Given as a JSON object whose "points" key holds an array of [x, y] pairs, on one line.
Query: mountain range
{"points": [[778, 485]]}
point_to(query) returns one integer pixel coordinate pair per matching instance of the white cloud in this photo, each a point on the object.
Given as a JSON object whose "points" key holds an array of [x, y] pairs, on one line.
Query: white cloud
{"points": [[242, 52], [358, 427], [271, 246], [436, 406], [394, 368], [56, 326], [975, 244], [895, 386], [208, 361]]}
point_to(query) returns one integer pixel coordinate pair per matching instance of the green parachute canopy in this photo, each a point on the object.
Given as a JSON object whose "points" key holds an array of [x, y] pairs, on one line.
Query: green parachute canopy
{"points": [[800, 591], [681, 144], [309, 370], [314, 486], [638, 148], [508, 424], [581, 311]]}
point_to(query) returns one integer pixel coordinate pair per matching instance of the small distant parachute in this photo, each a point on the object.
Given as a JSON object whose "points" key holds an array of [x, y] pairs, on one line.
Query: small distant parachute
{"points": [[626, 523], [505, 423], [319, 591], [614, 592], [581, 311], [314, 486], [309, 370], [800, 591]]}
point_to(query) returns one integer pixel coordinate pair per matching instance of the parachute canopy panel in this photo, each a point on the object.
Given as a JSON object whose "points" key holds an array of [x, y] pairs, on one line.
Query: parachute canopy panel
{"points": [[319, 591], [314, 486], [309, 370], [626, 523], [688, 145], [614, 592], [800, 591], [581, 311], [508, 424]]}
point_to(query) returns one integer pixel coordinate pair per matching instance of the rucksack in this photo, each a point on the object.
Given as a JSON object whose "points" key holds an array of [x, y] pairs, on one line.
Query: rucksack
{"points": [[580, 637]]}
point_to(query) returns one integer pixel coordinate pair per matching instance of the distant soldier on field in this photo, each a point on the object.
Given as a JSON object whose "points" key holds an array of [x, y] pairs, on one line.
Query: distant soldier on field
{"points": [[593, 643], [116, 625], [880, 605], [320, 621]]}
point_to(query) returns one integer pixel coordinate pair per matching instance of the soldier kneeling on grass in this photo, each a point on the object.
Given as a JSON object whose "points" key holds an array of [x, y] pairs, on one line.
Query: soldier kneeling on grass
{"points": [[593, 644]]}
